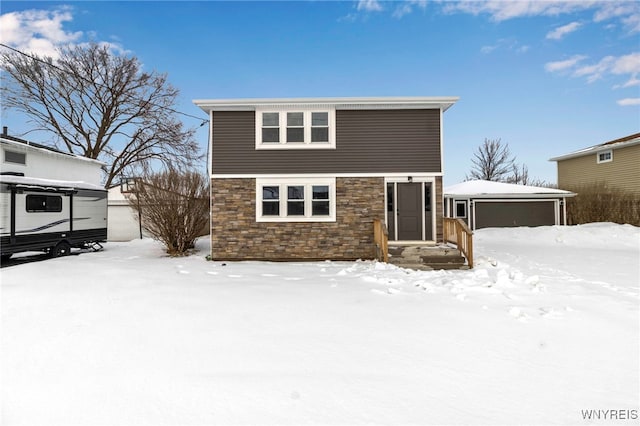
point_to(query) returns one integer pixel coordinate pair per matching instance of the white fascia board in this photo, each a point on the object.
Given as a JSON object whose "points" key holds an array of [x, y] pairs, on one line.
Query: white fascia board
{"points": [[596, 148], [435, 102]]}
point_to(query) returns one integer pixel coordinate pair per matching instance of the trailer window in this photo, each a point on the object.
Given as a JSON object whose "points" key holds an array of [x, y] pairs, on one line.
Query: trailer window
{"points": [[44, 203]]}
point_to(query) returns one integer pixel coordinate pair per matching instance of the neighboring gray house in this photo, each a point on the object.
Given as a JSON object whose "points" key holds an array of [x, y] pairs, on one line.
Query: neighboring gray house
{"points": [[484, 204], [305, 178]]}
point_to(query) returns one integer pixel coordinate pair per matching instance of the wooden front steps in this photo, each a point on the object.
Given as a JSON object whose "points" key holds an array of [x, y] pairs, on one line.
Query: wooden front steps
{"points": [[426, 258]]}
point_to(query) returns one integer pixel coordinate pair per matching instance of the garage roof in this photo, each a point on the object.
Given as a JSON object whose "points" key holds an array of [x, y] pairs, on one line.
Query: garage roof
{"points": [[489, 189]]}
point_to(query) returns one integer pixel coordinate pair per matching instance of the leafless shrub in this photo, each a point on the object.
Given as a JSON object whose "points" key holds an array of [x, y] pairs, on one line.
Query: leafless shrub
{"points": [[174, 206], [599, 203]]}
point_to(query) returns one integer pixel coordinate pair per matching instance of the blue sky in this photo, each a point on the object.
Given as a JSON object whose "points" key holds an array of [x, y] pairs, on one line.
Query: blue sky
{"points": [[547, 77]]}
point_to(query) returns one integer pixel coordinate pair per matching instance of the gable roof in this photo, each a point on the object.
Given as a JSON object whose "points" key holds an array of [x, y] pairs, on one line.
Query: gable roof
{"points": [[489, 189], [625, 141], [339, 103]]}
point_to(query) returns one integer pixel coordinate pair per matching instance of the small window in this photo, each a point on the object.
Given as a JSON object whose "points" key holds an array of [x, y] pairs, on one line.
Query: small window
{"points": [[605, 156], [15, 157], [319, 127], [320, 200], [270, 127], [271, 201], [295, 200], [295, 127], [461, 209], [44, 203]]}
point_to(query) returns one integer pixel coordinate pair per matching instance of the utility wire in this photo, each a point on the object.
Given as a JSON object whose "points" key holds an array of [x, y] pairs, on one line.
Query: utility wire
{"points": [[35, 58]]}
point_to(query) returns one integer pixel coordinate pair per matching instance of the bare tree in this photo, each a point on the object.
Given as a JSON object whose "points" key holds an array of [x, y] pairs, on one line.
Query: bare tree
{"points": [[99, 106], [492, 161], [519, 175], [174, 206]]}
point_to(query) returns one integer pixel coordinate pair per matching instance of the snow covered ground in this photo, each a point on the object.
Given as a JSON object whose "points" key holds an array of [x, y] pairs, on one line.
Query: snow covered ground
{"points": [[545, 328]]}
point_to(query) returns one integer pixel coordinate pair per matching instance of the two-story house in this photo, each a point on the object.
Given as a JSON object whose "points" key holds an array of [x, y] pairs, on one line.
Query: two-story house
{"points": [[616, 164], [305, 178]]}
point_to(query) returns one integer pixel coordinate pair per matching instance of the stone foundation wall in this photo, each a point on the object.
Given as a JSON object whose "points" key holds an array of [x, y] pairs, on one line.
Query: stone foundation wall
{"points": [[235, 234]]}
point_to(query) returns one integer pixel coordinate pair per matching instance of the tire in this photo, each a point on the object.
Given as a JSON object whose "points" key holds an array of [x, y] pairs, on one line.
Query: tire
{"points": [[61, 249]]}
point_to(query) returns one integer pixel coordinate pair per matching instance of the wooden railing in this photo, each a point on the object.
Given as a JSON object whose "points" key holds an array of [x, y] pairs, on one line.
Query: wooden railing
{"points": [[381, 240], [457, 232]]}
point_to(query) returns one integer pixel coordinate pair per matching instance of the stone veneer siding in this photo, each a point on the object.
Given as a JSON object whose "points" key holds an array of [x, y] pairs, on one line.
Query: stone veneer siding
{"points": [[235, 234]]}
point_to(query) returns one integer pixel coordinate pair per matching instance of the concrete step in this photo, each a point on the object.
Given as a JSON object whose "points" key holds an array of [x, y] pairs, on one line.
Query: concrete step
{"points": [[426, 258]]}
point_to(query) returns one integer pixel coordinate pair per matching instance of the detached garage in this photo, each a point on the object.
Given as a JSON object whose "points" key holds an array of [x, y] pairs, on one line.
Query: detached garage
{"points": [[485, 204]]}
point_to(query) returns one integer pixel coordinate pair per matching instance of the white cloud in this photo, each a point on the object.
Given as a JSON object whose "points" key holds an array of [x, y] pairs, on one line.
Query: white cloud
{"points": [[560, 32], [502, 10], [505, 44], [632, 82], [369, 5], [37, 31], [627, 12], [564, 65], [629, 102], [622, 65], [41, 32], [407, 6]]}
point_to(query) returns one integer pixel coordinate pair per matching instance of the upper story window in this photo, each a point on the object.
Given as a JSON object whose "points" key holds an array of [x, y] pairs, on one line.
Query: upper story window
{"points": [[295, 129], [605, 156], [295, 200], [15, 157]]}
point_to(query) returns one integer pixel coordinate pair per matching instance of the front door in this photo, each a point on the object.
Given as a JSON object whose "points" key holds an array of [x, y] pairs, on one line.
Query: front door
{"points": [[409, 211]]}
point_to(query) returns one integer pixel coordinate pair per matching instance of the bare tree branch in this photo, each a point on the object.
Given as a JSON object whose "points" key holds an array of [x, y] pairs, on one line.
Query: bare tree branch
{"points": [[492, 161], [100, 106]]}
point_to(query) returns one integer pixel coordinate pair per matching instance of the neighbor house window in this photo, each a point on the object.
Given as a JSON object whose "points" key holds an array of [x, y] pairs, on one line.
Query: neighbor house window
{"points": [[44, 203], [295, 129], [461, 209], [15, 157], [295, 200], [605, 156]]}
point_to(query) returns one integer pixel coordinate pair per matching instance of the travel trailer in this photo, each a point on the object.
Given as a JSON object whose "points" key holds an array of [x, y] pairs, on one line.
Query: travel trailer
{"points": [[51, 216], [49, 200]]}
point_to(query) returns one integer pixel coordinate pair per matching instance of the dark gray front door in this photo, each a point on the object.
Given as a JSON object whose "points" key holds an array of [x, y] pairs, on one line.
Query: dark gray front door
{"points": [[410, 211]]}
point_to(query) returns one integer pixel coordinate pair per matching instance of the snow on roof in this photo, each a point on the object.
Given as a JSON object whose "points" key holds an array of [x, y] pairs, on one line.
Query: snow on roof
{"points": [[488, 189], [47, 183]]}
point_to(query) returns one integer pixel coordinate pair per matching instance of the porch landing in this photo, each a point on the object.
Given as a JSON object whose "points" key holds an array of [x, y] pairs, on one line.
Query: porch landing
{"points": [[426, 257]]}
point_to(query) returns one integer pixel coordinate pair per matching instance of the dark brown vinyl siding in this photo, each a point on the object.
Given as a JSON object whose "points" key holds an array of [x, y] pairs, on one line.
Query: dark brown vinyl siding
{"points": [[367, 141]]}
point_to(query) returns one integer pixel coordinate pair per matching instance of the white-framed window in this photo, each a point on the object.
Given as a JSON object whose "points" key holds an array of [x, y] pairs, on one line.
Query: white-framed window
{"points": [[605, 156], [295, 129], [460, 209], [295, 200]]}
